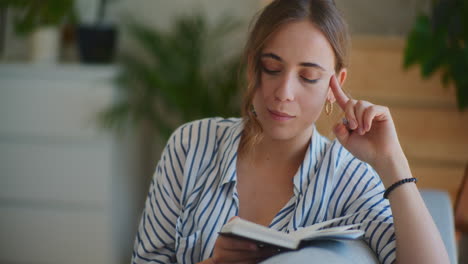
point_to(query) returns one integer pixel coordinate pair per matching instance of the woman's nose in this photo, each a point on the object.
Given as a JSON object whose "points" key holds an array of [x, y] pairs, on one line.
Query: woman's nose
{"points": [[285, 89]]}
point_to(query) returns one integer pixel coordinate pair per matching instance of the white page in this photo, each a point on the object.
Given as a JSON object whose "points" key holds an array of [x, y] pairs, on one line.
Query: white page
{"points": [[327, 231], [327, 223]]}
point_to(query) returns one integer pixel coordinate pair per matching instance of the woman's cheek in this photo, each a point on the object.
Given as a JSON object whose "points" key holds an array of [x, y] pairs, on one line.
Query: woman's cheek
{"points": [[267, 86], [311, 105], [314, 99]]}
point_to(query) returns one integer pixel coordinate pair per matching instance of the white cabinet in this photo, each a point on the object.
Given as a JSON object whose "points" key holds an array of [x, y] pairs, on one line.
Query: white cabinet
{"points": [[66, 193]]}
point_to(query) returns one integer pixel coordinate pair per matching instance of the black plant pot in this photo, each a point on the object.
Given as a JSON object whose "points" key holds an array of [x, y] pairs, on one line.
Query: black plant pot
{"points": [[97, 43]]}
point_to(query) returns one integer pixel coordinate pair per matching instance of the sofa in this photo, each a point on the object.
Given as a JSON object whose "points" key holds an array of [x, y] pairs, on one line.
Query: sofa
{"points": [[357, 251]]}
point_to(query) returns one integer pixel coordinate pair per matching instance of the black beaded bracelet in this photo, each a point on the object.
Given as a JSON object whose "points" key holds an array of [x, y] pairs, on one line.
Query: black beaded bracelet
{"points": [[396, 184]]}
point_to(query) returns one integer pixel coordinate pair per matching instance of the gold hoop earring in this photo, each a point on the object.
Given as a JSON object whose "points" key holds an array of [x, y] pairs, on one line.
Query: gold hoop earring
{"points": [[328, 107], [252, 109]]}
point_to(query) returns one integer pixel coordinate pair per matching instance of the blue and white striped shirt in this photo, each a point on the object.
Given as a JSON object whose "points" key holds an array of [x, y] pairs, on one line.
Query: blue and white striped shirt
{"points": [[193, 194]]}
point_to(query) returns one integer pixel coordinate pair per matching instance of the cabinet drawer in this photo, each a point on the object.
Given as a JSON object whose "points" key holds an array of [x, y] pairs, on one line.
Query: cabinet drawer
{"points": [[65, 172], [54, 108], [49, 236]]}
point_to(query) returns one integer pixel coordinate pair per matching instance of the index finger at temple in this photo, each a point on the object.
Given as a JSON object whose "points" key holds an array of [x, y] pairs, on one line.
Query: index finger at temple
{"points": [[340, 96]]}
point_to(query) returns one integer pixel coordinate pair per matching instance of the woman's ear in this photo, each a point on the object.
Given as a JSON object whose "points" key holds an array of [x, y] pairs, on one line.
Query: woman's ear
{"points": [[341, 77]]}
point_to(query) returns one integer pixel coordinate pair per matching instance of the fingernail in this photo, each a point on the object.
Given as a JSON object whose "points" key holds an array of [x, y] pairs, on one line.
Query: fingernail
{"points": [[353, 124]]}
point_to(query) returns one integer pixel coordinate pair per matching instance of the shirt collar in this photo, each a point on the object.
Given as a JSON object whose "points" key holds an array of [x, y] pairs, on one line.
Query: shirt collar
{"points": [[309, 166], [228, 148]]}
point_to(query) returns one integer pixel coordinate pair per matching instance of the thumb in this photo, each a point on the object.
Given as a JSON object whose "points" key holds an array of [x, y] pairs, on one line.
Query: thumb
{"points": [[232, 218], [342, 133]]}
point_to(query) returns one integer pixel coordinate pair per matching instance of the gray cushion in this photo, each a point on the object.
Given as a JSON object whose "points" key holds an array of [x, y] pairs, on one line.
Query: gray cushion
{"points": [[333, 252]]}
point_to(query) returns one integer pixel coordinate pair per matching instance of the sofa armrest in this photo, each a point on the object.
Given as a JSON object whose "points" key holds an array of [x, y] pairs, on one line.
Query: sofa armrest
{"points": [[439, 206], [330, 252], [357, 251]]}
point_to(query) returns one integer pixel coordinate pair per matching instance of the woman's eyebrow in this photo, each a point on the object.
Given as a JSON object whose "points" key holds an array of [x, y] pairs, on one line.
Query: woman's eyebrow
{"points": [[311, 64], [305, 64], [271, 55]]}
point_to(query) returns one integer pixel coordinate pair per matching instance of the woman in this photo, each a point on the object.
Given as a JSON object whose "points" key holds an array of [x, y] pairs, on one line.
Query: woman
{"points": [[272, 166]]}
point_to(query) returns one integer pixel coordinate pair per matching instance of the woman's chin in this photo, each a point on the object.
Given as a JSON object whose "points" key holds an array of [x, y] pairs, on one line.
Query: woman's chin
{"points": [[284, 131], [280, 133]]}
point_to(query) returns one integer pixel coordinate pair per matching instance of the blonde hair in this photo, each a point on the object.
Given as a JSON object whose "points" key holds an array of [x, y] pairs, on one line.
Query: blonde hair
{"points": [[322, 13]]}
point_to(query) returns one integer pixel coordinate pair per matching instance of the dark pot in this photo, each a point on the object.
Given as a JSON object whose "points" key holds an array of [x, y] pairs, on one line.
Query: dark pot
{"points": [[97, 43]]}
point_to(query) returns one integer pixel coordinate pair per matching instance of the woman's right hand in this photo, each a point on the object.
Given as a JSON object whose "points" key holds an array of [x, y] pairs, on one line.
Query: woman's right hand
{"points": [[233, 250]]}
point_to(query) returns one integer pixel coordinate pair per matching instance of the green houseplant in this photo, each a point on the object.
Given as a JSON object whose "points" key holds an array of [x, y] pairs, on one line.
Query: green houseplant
{"points": [[41, 21], [32, 14], [439, 43], [182, 75]]}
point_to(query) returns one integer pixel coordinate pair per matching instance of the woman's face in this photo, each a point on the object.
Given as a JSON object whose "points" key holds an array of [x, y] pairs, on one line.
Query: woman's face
{"points": [[296, 66]]}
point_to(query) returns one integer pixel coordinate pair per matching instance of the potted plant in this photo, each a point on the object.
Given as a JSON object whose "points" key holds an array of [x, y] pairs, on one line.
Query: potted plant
{"points": [[181, 75], [42, 19], [440, 42], [97, 38]]}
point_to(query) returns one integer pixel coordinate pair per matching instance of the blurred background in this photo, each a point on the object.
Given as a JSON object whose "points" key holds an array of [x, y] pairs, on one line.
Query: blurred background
{"points": [[91, 89]]}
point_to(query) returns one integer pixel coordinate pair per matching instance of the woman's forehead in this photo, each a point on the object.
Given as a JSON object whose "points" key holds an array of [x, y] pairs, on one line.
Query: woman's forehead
{"points": [[298, 42]]}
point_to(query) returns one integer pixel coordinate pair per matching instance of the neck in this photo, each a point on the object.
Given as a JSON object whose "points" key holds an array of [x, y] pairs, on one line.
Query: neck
{"points": [[282, 152]]}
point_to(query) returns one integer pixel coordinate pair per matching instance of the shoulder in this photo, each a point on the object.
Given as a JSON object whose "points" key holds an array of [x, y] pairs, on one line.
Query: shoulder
{"points": [[194, 147], [196, 144], [344, 164], [201, 132], [353, 183]]}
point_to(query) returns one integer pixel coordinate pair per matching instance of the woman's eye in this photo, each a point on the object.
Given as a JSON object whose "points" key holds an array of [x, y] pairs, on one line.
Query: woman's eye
{"points": [[272, 72], [309, 80]]}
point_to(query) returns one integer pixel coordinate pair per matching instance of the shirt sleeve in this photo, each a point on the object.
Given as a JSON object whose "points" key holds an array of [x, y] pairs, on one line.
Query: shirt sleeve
{"points": [[364, 198], [155, 239]]}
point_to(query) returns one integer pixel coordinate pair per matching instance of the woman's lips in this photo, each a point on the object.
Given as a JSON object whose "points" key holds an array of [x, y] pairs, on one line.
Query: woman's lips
{"points": [[279, 116]]}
